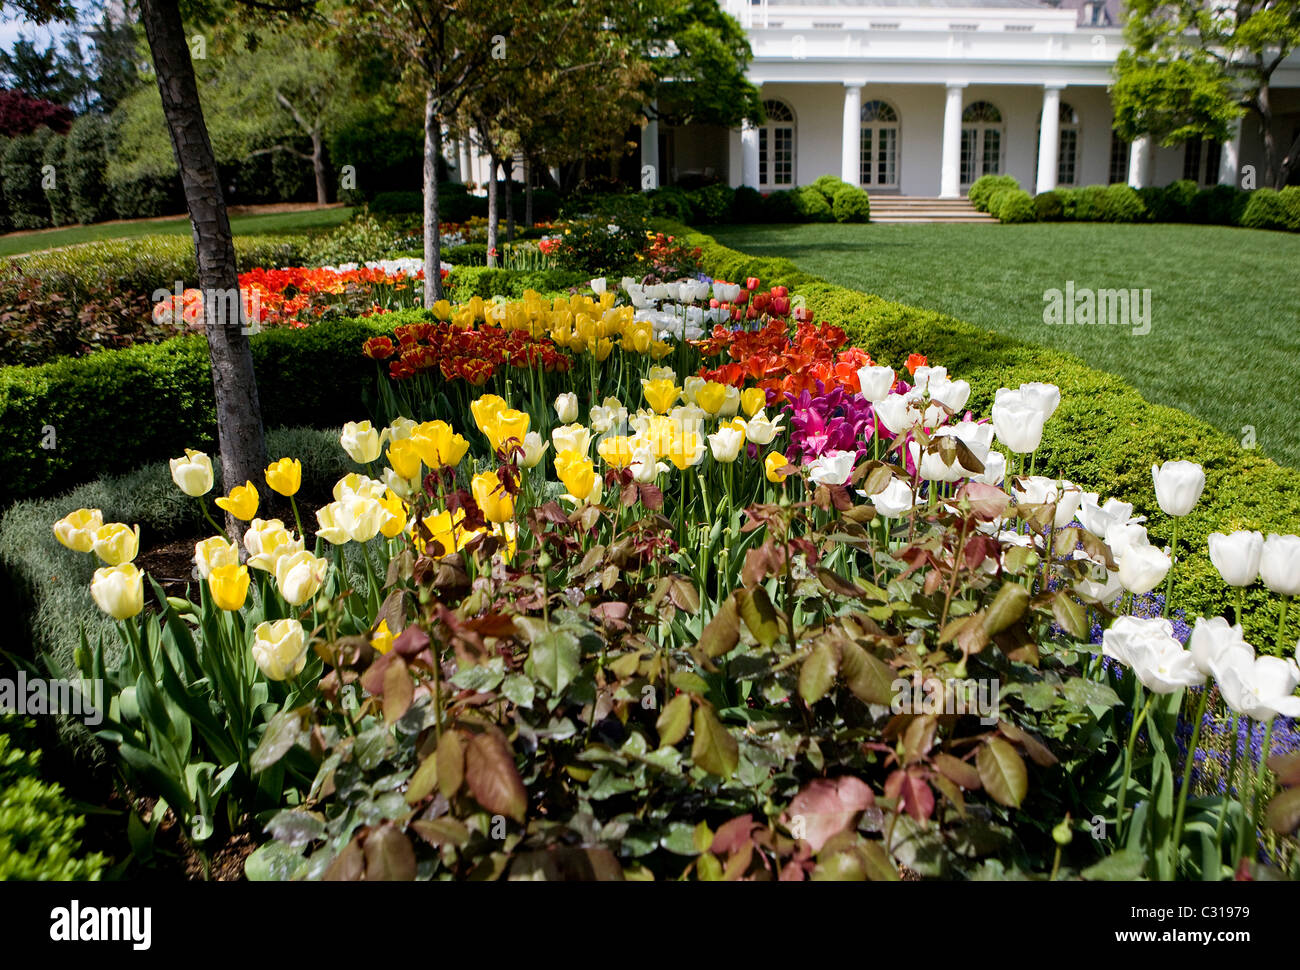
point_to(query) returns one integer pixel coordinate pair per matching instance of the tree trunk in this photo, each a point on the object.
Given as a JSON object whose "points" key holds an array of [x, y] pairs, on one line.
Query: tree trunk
{"points": [[318, 166], [239, 414], [493, 209], [432, 240], [509, 172], [1265, 110], [528, 192]]}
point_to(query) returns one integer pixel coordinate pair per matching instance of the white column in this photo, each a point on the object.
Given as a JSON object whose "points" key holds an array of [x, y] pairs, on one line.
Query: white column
{"points": [[1049, 139], [950, 165], [466, 169], [749, 154], [1139, 162], [1230, 159], [851, 139], [650, 153]]}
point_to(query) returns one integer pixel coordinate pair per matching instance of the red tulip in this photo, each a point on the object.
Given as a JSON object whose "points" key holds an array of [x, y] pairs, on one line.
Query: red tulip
{"points": [[751, 283]]}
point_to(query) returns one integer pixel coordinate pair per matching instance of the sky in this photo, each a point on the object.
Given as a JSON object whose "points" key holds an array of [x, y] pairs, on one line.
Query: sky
{"points": [[11, 27]]}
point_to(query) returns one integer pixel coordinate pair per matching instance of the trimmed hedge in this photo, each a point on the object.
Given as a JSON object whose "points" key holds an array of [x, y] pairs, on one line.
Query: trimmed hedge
{"points": [[464, 282], [1121, 203], [1267, 209], [983, 188], [1012, 206], [1104, 435], [1049, 207], [38, 829]]}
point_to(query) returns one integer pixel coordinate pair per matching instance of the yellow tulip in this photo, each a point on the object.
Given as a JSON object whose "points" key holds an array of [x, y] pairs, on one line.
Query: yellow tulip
{"points": [[711, 397], [404, 456], [578, 476], [496, 504], [773, 464], [445, 532], [686, 450], [439, 445], [510, 425], [397, 509], [118, 590], [229, 586], [299, 576], [76, 530], [753, 400], [280, 648], [661, 394], [213, 552], [116, 543], [285, 476], [442, 310], [193, 473], [485, 410], [616, 451], [382, 639], [241, 502], [659, 349], [361, 441]]}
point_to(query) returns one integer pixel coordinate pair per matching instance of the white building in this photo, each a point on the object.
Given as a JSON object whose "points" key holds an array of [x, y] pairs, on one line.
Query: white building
{"points": [[920, 98]]}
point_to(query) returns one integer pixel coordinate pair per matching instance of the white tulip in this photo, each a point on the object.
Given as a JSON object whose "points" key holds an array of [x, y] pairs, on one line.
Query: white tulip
{"points": [[1279, 564], [1098, 519], [566, 407], [534, 448], [360, 441], [1017, 422], [898, 413], [995, 469], [1156, 657], [118, 590], [1212, 638], [299, 576], [953, 394], [1038, 490], [1236, 556], [1178, 486], [760, 430], [894, 501], [1045, 397], [1142, 568], [725, 444], [875, 382], [572, 437], [193, 473], [1261, 689], [280, 648]]}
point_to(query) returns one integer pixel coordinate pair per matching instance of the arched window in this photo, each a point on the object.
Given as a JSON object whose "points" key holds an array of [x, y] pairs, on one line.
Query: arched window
{"points": [[1067, 145], [776, 146], [878, 160], [981, 141]]}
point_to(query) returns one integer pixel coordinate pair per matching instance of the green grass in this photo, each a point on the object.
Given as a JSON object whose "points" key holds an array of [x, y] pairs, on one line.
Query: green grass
{"points": [[28, 242], [1225, 303]]}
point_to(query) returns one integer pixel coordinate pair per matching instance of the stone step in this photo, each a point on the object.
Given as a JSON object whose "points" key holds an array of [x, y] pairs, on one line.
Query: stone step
{"points": [[978, 218]]}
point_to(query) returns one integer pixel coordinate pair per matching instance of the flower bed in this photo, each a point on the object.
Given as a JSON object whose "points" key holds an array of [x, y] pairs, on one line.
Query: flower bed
{"points": [[774, 609]]}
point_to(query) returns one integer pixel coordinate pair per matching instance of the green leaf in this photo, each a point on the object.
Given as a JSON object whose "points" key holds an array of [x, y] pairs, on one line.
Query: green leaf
{"points": [[424, 781], [1007, 607], [1003, 773], [869, 678], [759, 615], [1123, 866], [273, 862], [690, 682], [1070, 614], [674, 720], [723, 631], [284, 731], [519, 690], [817, 673], [880, 868], [714, 749], [451, 763], [390, 857], [555, 659]]}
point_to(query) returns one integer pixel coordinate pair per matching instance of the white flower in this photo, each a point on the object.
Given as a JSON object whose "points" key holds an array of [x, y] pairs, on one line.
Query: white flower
{"points": [[1017, 421], [353, 485], [1178, 486], [954, 394], [1141, 568], [280, 648], [1212, 638], [566, 407], [898, 413], [266, 541], [1045, 397], [1236, 556], [192, 473], [875, 382], [360, 441], [299, 576], [1038, 490], [760, 430], [1260, 688], [894, 501], [1279, 564], [832, 468], [725, 444], [534, 448], [1098, 519], [572, 437], [1150, 648]]}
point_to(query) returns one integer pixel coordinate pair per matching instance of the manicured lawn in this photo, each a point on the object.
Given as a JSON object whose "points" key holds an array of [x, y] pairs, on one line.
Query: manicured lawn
{"points": [[27, 242], [1225, 303]]}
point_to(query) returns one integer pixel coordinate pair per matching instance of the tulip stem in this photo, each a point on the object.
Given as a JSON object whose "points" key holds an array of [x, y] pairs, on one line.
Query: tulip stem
{"points": [[297, 519], [1187, 774], [1247, 810], [1260, 771], [203, 507], [1173, 558], [1128, 766], [1281, 628]]}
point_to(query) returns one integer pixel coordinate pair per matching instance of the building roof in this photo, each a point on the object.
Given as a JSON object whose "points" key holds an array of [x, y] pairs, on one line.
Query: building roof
{"points": [[1089, 16]]}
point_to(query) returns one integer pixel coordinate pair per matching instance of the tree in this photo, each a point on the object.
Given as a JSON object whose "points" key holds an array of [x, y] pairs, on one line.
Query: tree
{"points": [[47, 74], [113, 61], [21, 115], [1192, 69]]}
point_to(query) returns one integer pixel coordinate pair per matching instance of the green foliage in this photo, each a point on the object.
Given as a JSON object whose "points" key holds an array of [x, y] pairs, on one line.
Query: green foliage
{"points": [[38, 829], [1173, 101], [828, 185], [387, 152], [711, 204], [981, 191], [394, 203], [467, 254], [361, 238], [87, 164], [811, 204], [747, 206], [672, 203], [851, 204], [1219, 205], [597, 246], [1049, 207], [1291, 199], [20, 174], [1012, 206], [55, 167], [1089, 203], [1121, 203], [466, 281], [1268, 210], [780, 206]]}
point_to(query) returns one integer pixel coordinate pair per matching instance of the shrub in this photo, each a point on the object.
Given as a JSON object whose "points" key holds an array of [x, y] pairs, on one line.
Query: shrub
{"points": [[145, 196], [87, 164], [1121, 203], [54, 180], [712, 203], [361, 238], [619, 208], [811, 205], [594, 247], [1049, 207], [1219, 205], [38, 828], [20, 171], [21, 114], [780, 206], [385, 154], [1101, 436], [546, 205], [1291, 199], [469, 254], [394, 203], [828, 185], [994, 204], [1266, 210], [455, 204], [747, 205], [1089, 203], [465, 282], [1014, 206], [851, 204], [982, 189], [1174, 202], [672, 203]]}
